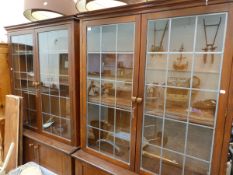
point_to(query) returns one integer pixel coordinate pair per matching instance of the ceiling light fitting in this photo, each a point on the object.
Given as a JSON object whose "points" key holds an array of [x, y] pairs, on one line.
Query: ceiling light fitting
{"points": [[35, 10], [102, 4]]}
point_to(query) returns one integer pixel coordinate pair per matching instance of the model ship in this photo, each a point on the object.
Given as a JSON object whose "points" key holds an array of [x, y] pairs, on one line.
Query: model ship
{"points": [[181, 62]]}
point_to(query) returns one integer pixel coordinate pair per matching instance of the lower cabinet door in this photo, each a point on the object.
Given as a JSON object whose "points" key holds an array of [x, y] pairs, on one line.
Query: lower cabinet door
{"points": [[82, 168], [28, 150], [52, 159]]}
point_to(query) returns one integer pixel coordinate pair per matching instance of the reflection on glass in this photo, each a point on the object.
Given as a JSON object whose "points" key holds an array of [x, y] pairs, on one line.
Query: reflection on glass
{"points": [[171, 163], [157, 39], [93, 39], [153, 132], [23, 71], [203, 109], [123, 119], [109, 38], [106, 145], [93, 115], [110, 64], [108, 93], [151, 159], [154, 100], [174, 136], [209, 72], [179, 74], [177, 102], [199, 137], [93, 67], [214, 25], [181, 91], [125, 67], [123, 95], [184, 27], [195, 167], [54, 71], [125, 39], [156, 65], [30, 115], [107, 119], [93, 90], [92, 138]]}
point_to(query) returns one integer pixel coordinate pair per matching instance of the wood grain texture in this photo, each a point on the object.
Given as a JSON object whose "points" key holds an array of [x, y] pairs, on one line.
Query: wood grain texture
{"points": [[54, 160], [94, 165], [5, 76], [13, 119], [69, 23]]}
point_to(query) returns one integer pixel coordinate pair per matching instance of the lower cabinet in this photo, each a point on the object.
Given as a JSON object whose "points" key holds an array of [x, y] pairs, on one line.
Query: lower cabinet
{"points": [[48, 155], [82, 168], [87, 164]]}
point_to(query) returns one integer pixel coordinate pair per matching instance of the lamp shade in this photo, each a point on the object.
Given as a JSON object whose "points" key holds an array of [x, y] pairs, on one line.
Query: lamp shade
{"points": [[101, 4], [45, 9]]}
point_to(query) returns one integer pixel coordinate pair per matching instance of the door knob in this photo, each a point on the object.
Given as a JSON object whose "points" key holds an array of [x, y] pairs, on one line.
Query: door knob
{"points": [[133, 99], [139, 100], [35, 83]]}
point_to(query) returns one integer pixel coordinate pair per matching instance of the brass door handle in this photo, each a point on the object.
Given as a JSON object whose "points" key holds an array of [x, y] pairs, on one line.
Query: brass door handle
{"points": [[139, 100], [37, 154], [133, 99], [35, 83], [30, 144]]}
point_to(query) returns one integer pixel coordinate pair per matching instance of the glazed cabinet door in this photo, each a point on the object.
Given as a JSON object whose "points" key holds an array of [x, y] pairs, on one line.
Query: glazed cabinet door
{"points": [[24, 75], [109, 88], [182, 74], [54, 72]]}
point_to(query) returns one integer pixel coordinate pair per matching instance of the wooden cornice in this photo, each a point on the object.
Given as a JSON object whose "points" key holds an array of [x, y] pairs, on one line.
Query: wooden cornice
{"points": [[41, 23], [147, 7]]}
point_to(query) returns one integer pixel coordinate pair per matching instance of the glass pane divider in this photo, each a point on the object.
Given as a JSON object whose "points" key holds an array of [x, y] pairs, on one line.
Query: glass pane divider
{"points": [[115, 103], [101, 35], [165, 92], [190, 95], [113, 52], [89, 126], [58, 117], [110, 80], [112, 107]]}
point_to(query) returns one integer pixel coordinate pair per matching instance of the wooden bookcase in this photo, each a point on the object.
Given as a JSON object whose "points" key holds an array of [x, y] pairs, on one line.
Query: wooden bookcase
{"points": [[155, 83], [44, 61]]}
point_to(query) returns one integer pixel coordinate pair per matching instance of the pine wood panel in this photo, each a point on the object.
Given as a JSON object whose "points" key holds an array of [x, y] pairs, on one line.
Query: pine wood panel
{"points": [[5, 76], [13, 126]]}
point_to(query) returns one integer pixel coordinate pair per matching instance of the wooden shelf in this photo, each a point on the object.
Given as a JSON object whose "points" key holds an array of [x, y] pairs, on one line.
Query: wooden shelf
{"points": [[67, 149], [110, 78], [181, 114], [110, 101]]}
